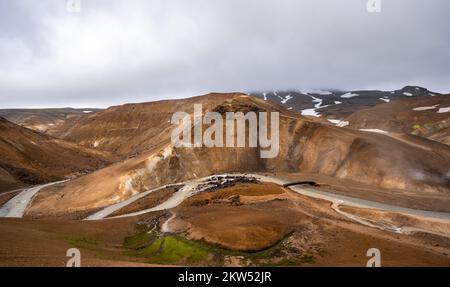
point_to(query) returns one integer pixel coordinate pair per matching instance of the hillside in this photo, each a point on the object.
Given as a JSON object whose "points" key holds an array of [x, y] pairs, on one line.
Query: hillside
{"points": [[305, 146], [28, 157], [130, 129], [337, 104], [43, 119], [428, 117]]}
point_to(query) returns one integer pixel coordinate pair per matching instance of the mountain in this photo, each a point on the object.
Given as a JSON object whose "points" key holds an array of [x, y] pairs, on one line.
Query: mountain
{"points": [[337, 104], [343, 191], [130, 129], [140, 133], [28, 157], [42, 119], [427, 117]]}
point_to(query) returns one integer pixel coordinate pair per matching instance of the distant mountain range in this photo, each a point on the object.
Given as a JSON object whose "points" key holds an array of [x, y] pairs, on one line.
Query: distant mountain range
{"points": [[410, 110], [29, 157], [139, 134], [349, 164], [339, 104], [43, 119]]}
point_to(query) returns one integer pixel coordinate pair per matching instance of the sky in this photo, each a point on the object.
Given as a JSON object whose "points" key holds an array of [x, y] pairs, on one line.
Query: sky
{"points": [[113, 52]]}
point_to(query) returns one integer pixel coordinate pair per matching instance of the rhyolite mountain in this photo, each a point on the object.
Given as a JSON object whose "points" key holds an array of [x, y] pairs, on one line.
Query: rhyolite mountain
{"points": [[140, 134], [43, 119], [28, 157]]}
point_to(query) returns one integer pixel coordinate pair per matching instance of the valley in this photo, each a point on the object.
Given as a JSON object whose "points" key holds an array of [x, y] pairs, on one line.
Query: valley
{"points": [[112, 184], [246, 224]]}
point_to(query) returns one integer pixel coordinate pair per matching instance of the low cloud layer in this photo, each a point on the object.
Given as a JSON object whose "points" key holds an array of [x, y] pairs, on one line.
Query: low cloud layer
{"points": [[114, 51]]}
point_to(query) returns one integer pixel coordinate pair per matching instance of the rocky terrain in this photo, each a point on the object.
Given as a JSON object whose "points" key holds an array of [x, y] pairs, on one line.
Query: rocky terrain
{"points": [[427, 117], [410, 110], [338, 104], [332, 192], [43, 119], [29, 157], [305, 146], [247, 224], [130, 129]]}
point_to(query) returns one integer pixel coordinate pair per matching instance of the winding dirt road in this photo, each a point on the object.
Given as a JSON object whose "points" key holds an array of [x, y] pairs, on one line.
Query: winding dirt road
{"points": [[17, 205], [190, 189], [15, 208]]}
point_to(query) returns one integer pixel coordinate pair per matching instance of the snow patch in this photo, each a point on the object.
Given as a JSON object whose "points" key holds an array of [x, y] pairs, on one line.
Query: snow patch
{"points": [[286, 99], [315, 100], [408, 94], [337, 102], [444, 110], [386, 100], [310, 112], [349, 95], [378, 131], [316, 92], [339, 123], [425, 108], [313, 112]]}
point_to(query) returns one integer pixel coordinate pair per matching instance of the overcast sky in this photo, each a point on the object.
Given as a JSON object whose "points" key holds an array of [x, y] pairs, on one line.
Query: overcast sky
{"points": [[113, 52]]}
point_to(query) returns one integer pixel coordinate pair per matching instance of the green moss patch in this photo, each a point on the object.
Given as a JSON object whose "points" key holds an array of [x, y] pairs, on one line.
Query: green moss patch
{"points": [[175, 249]]}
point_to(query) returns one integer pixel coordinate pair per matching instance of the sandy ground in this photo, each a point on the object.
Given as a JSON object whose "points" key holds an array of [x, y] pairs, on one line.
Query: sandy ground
{"points": [[308, 225], [339, 153], [153, 199], [247, 217], [45, 242], [426, 201]]}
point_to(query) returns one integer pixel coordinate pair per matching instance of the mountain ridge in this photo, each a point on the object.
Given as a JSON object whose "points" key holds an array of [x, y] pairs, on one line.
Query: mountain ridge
{"points": [[305, 146], [30, 157]]}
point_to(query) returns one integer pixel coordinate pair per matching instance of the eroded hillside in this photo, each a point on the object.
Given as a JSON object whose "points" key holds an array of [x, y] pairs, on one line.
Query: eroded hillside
{"points": [[305, 146], [29, 157]]}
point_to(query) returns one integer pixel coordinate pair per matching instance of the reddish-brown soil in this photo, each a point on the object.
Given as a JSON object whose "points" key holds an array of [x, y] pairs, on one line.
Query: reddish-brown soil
{"points": [[301, 231], [303, 226], [235, 194], [131, 129], [42, 120], [417, 200], [399, 116], [401, 170], [45, 243], [32, 158], [343, 154], [153, 199]]}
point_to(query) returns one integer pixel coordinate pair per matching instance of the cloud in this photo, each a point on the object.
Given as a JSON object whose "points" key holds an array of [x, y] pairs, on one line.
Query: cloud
{"points": [[122, 51]]}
